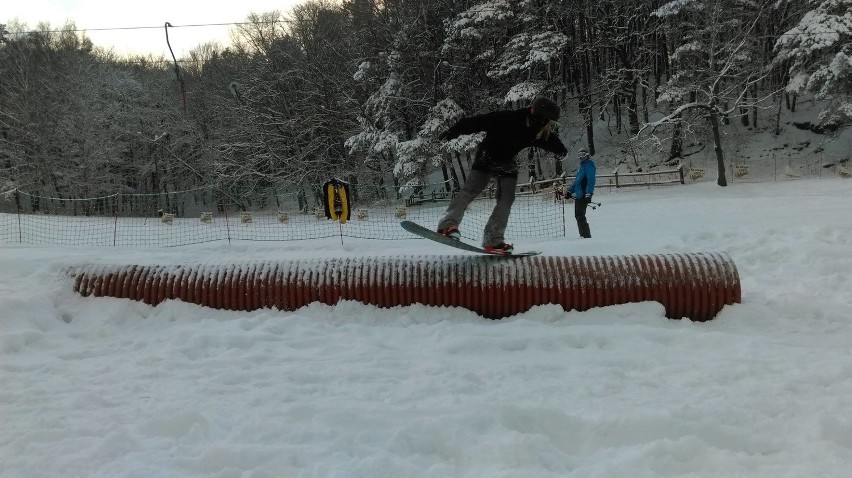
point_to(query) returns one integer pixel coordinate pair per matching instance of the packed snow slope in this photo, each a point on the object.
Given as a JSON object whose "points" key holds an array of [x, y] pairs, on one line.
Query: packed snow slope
{"points": [[103, 387]]}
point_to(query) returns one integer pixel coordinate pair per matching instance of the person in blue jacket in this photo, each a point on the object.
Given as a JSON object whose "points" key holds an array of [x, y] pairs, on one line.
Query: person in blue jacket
{"points": [[582, 190]]}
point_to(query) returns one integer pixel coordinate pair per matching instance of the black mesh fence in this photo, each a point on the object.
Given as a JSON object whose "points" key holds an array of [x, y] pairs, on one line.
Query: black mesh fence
{"points": [[212, 214]]}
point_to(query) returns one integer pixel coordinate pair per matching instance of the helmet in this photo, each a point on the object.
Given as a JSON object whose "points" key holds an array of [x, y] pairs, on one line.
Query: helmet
{"points": [[545, 108], [582, 154]]}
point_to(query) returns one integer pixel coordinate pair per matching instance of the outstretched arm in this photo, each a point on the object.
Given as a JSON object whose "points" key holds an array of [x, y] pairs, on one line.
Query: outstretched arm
{"points": [[473, 124], [552, 144]]}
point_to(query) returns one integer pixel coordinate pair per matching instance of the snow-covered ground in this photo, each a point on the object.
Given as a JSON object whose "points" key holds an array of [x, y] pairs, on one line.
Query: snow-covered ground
{"points": [[102, 387]]}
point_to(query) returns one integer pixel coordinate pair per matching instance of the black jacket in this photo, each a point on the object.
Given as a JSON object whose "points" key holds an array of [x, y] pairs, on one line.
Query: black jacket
{"points": [[506, 134]]}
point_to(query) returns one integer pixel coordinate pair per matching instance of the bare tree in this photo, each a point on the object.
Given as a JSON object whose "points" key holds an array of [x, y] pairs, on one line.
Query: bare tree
{"points": [[713, 67]]}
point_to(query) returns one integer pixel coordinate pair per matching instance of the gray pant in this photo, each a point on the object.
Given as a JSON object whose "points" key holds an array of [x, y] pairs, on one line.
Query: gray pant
{"points": [[476, 182]]}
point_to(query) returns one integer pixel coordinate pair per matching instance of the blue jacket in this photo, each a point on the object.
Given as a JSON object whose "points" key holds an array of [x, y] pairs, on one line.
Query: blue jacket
{"points": [[584, 183]]}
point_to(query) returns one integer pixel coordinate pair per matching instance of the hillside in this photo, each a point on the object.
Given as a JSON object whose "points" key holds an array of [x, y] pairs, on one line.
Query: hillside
{"points": [[765, 154]]}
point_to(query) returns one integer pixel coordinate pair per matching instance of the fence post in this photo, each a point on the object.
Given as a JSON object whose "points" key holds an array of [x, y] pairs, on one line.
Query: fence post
{"points": [[18, 207], [225, 212], [115, 219], [680, 170]]}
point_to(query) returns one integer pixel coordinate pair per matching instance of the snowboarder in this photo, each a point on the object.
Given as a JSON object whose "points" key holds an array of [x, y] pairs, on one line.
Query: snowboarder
{"points": [[507, 132], [582, 190]]}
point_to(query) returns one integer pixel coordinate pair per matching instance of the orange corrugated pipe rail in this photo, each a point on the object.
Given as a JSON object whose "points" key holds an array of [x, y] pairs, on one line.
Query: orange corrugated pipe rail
{"points": [[692, 285]]}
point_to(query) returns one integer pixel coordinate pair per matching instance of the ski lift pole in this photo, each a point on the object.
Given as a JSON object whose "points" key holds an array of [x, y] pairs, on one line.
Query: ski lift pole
{"points": [[177, 69], [338, 208]]}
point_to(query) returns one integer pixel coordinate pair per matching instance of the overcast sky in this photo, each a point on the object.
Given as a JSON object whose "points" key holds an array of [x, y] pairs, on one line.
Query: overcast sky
{"points": [[92, 14]]}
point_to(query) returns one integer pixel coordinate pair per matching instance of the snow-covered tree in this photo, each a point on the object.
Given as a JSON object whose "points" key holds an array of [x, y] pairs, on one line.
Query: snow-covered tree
{"points": [[625, 38], [417, 157], [362, 88], [713, 67], [510, 52], [402, 77], [294, 86], [819, 53]]}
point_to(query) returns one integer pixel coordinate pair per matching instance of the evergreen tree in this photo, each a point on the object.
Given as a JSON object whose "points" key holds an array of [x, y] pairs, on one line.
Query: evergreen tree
{"points": [[818, 52]]}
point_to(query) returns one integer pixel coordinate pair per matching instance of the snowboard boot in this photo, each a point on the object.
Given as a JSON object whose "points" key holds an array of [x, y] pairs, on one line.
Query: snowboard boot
{"points": [[451, 231], [502, 248]]}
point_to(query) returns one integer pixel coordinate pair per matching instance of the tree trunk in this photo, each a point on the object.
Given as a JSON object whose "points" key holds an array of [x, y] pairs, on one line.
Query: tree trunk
{"points": [[754, 95], [461, 166], [616, 111], [586, 95], [455, 177], [778, 116], [446, 177], [633, 106], [676, 150], [717, 147]]}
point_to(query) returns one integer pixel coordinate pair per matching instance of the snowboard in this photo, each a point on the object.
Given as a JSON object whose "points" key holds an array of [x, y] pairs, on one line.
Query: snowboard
{"points": [[425, 233]]}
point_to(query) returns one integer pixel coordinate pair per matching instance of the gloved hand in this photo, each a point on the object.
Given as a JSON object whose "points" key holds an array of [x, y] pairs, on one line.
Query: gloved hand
{"points": [[588, 197]]}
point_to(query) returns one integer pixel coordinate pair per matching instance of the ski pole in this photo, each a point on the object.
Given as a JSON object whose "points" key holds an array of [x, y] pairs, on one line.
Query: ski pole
{"points": [[595, 204]]}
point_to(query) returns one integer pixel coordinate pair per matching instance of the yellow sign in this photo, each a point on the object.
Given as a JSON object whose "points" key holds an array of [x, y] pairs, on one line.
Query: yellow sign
{"points": [[336, 199]]}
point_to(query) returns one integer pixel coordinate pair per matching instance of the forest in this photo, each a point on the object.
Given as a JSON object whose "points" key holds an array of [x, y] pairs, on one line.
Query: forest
{"points": [[360, 89]]}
